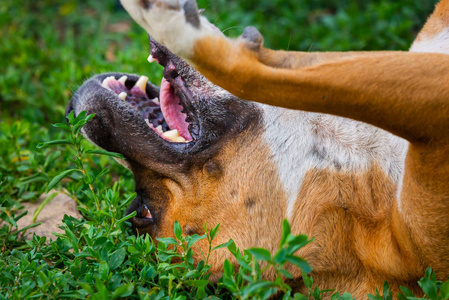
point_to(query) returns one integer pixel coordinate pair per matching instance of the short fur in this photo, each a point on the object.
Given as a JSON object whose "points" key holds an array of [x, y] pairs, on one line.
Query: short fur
{"points": [[377, 204]]}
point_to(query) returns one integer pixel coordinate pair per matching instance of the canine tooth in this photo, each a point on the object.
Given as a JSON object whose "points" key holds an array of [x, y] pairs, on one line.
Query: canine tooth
{"points": [[123, 79], [180, 139], [173, 136], [156, 100], [122, 95], [148, 123], [159, 129], [151, 59], [106, 81], [142, 83]]}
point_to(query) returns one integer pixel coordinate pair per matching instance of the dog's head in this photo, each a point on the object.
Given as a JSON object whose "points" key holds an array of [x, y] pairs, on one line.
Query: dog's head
{"points": [[196, 152]]}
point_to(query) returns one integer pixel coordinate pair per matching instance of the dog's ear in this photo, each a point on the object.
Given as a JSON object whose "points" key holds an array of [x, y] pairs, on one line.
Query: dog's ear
{"points": [[435, 33]]}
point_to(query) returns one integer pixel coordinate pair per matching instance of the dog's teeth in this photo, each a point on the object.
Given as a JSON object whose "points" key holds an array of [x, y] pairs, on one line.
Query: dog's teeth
{"points": [[159, 129], [122, 95], [173, 136], [142, 83], [151, 59], [106, 81], [123, 79], [156, 100], [148, 123]]}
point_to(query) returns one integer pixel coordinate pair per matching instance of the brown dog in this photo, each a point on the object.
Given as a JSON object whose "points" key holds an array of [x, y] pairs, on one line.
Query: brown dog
{"points": [[377, 204]]}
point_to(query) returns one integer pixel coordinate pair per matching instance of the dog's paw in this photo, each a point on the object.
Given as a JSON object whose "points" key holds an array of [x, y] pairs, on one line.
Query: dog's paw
{"points": [[175, 24], [252, 38]]}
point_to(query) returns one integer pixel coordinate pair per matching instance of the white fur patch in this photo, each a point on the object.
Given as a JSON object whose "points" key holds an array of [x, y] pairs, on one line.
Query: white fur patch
{"points": [[436, 44], [168, 26], [301, 141], [400, 182]]}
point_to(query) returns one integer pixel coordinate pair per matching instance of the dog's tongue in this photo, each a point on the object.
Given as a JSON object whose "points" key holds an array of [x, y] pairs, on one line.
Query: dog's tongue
{"points": [[172, 110]]}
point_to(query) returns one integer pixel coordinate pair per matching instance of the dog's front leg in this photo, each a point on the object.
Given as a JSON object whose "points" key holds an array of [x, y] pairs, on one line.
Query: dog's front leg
{"points": [[408, 90], [253, 40]]}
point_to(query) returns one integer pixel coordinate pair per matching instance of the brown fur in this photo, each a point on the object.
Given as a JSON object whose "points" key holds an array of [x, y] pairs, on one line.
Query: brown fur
{"points": [[220, 191], [436, 23], [364, 234], [362, 238], [350, 216]]}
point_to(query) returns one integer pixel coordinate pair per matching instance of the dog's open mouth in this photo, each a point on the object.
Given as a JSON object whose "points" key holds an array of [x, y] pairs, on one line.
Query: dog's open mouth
{"points": [[163, 133], [188, 118], [171, 114]]}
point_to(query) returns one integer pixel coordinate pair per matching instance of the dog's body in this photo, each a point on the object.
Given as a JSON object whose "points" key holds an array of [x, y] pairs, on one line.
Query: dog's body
{"points": [[377, 204]]}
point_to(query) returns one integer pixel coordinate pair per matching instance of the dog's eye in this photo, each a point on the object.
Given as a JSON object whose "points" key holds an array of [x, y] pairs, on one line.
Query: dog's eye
{"points": [[145, 212]]}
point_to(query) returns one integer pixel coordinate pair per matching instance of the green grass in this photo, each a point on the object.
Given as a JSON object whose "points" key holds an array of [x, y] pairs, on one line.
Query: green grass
{"points": [[47, 49]]}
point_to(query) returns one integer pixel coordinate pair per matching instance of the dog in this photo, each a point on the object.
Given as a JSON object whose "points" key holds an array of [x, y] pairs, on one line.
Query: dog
{"points": [[351, 148]]}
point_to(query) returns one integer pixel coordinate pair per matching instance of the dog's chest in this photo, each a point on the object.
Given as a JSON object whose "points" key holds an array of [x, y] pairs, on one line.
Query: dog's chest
{"points": [[307, 146]]}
